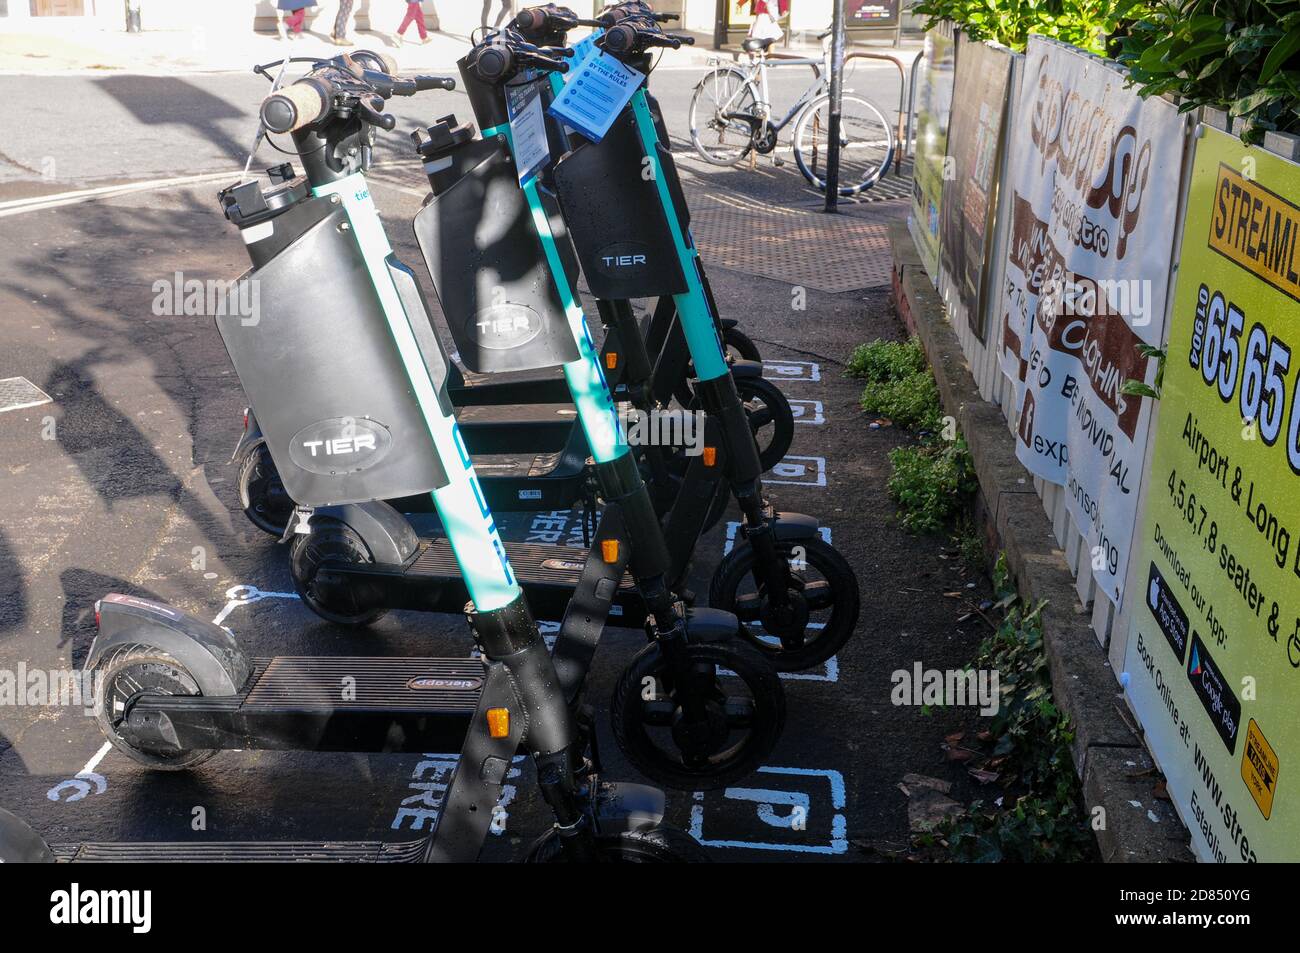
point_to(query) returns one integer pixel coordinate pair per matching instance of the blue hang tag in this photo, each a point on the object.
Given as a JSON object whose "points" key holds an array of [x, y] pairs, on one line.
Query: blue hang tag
{"points": [[595, 94], [528, 140], [583, 49]]}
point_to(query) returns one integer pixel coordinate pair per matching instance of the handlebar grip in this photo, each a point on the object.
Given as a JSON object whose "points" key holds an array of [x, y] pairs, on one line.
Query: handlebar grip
{"points": [[293, 108], [684, 39], [434, 82], [493, 63], [530, 20]]}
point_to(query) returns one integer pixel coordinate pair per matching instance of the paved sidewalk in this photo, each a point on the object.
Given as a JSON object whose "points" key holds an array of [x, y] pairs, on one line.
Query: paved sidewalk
{"points": [[172, 52]]}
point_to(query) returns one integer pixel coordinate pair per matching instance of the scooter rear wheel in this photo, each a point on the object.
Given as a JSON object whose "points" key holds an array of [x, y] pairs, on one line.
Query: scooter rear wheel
{"points": [[770, 418], [650, 845], [262, 493], [330, 541], [702, 735], [137, 669], [824, 600]]}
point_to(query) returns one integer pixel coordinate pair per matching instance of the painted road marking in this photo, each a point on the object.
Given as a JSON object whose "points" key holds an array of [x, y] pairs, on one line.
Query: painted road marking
{"points": [[792, 371], [798, 471], [808, 412], [18, 393], [808, 812]]}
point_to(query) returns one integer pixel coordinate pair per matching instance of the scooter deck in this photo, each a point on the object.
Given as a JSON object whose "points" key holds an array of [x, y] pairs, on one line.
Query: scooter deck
{"points": [[246, 852], [322, 704], [430, 580]]}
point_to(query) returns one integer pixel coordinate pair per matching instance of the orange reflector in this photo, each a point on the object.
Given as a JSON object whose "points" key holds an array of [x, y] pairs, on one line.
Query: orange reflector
{"points": [[609, 549], [710, 456], [498, 722], [611, 360]]}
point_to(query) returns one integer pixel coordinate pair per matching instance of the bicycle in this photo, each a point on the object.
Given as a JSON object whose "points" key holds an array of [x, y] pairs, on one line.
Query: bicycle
{"points": [[731, 116]]}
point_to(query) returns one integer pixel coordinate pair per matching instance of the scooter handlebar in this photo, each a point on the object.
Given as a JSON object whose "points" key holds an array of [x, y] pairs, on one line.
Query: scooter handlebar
{"points": [[294, 107], [423, 83]]}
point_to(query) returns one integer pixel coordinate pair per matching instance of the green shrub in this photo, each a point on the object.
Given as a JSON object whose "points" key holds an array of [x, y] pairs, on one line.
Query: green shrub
{"points": [[899, 383], [911, 402], [887, 360], [1085, 23], [930, 483], [1241, 56]]}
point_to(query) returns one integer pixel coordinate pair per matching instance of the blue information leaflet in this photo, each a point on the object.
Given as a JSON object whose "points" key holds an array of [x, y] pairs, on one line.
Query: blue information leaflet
{"points": [[595, 94]]}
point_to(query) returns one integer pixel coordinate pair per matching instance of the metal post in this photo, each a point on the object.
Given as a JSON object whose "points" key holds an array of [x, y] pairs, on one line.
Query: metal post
{"points": [[837, 99]]}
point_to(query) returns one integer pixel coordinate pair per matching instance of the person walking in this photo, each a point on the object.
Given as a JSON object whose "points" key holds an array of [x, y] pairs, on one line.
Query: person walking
{"points": [[507, 9], [414, 14], [340, 34], [293, 14]]}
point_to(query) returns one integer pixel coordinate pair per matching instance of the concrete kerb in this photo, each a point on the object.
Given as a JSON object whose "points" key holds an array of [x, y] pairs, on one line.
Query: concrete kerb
{"points": [[1110, 758]]}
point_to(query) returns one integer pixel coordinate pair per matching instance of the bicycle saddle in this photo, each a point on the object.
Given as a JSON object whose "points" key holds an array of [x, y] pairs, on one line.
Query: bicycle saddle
{"points": [[753, 44]]}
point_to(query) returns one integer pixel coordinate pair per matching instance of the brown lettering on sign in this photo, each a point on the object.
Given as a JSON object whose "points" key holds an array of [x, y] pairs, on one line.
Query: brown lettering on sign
{"points": [[1032, 249], [1109, 167], [1101, 340]]}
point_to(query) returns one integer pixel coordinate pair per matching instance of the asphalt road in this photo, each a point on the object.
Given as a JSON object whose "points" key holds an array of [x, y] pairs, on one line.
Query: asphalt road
{"points": [[122, 484]]}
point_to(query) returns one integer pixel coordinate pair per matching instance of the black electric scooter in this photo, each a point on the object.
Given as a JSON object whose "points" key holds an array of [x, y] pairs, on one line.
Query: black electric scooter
{"points": [[344, 324], [548, 471], [524, 314], [781, 573], [335, 569]]}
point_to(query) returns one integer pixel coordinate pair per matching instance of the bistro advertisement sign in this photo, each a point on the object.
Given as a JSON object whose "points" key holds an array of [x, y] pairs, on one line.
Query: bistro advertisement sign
{"points": [[1214, 651], [1094, 174]]}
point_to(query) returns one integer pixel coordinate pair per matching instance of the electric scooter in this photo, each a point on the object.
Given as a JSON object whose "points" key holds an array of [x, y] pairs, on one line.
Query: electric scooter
{"points": [[345, 334], [770, 578], [552, 448], [334, 571], [524, 314]]}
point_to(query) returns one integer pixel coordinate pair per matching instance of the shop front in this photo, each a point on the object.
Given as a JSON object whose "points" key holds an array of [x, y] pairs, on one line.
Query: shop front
{"points": [[729, 20]]}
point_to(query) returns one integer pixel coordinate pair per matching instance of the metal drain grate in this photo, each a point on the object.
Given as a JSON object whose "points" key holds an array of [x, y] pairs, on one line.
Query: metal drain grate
{"points": [[18, 392], [831, 253]]}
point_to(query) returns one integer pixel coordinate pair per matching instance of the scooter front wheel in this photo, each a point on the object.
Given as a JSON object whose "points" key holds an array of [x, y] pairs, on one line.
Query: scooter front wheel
{"points": [[699, 731], [331, 542], [740, 345], [262, 493], [821, 610], [133, 670], [651, 845]]}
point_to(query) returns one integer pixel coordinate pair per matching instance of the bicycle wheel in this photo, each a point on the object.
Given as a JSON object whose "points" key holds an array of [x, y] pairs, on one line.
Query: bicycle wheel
{"points": [[866, 143], [717, 132]]}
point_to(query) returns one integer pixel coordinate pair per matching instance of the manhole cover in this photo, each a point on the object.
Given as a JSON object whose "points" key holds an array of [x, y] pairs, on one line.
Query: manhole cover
{"points": [[18, 392], [833, 253]]}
